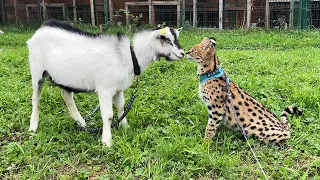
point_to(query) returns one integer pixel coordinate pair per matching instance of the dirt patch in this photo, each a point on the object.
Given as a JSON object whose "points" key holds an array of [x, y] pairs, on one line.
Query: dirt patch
{"points": [[12, 137], [82, 171]]}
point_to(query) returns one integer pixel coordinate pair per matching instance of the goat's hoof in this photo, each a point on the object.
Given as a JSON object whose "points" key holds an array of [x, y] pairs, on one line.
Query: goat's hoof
{"points": [[107, 143], [33, 128], [125, 125], [83, 124]]}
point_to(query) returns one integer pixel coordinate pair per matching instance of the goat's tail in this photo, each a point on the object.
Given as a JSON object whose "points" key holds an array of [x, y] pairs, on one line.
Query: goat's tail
{"points": [[293, 110]]}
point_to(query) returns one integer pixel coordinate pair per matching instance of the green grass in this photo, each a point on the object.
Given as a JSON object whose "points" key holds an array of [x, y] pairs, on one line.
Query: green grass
{"points": [[167, 121]]}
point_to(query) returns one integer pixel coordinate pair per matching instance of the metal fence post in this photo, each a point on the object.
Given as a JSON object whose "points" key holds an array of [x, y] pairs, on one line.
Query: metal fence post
{"points": [[150, 13], [75, 14], [15, 4], [267, 19], [179, 13], [307, 8], [111, 11], [304, 14], [39, 12], [221, 7], [93, 12], [183, 14], [1, 20], [291, 14], [105, 11], [4, 11], [300, 14], [194, 13], [248, 14]]}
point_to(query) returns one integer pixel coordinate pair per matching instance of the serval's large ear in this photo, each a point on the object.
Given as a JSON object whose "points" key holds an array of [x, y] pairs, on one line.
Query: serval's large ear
{"points": [[213, 41], [205, 43]]}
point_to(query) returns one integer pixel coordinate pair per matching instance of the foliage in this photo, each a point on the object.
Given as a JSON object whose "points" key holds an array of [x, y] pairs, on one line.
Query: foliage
{"points": [[167, 121], [118, 16]]}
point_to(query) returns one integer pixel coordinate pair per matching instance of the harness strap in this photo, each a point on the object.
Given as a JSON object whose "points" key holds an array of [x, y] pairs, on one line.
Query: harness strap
{"points": [[211, 75], [136, 67]]}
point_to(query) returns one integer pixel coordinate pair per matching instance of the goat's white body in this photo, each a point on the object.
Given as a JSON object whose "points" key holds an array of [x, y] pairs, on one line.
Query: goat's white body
{"points": [[92, 63], [88, 63]]}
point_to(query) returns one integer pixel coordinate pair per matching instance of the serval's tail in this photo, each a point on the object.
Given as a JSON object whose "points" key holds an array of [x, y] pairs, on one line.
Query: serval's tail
{"points": [[293, 110]]}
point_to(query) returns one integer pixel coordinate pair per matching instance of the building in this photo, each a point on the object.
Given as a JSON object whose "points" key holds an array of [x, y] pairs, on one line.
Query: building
{"points": [[220, 14]]}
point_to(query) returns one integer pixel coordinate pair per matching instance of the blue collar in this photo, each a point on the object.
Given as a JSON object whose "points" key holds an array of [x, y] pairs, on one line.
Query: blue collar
{"points": [[211, 75]]}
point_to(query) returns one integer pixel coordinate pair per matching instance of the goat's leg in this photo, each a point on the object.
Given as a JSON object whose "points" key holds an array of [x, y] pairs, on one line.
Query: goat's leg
{"points": [[118, 100], [37, 83], [105, 100], [73, 110]]}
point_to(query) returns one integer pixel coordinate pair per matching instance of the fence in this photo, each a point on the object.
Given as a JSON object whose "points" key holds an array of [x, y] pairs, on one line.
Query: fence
{"points": [[208, 13], [222, 14], [315, 14]]}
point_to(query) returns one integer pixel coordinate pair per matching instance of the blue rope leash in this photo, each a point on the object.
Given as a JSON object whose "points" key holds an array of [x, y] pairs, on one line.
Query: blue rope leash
{"points": [[229, 95], [116, 120]]}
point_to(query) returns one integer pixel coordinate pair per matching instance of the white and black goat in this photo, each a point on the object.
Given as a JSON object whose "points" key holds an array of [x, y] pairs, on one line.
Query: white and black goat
{"points": [[79, 61]]}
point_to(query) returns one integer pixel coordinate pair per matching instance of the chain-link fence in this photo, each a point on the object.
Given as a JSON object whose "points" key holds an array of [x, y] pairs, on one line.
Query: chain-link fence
{"points": [[208, 13], [315, 14], [234, 13], [286, 14], [279, 13], [37, 11], [258, 16], [222, 14], [152, 12]]}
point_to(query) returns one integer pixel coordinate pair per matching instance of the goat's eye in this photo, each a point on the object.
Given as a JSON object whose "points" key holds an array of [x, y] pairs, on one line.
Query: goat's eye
{"points": [[168, 41]]}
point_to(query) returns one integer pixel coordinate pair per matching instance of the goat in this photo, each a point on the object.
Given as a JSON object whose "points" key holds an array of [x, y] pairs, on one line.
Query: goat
{"points": [[260, 23], [280, 23], [1, 32], [80, 61]]}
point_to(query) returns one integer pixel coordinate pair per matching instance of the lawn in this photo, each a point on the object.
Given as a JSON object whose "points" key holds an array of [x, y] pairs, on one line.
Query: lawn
{"points": [[167, 121]]}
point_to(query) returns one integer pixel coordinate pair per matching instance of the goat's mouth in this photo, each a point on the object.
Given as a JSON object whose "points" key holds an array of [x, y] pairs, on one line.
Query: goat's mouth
{"points": [[170, 57], [177, 57], [174, 59]]}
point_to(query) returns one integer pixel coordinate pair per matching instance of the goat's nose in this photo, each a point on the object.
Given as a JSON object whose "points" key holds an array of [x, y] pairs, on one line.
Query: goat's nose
{"points": [[188, 53], [182, 54]]}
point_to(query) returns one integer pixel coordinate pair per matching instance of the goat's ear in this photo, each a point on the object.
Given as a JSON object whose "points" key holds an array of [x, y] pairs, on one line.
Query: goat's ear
{"points": [[178, 31], [160, 33]]}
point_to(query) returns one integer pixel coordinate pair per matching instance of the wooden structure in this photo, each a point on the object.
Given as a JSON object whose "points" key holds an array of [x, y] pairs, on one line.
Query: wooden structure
{"points": [[71, 9], [151, 5], [202, 13], [219, 13], [45, 12]]}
